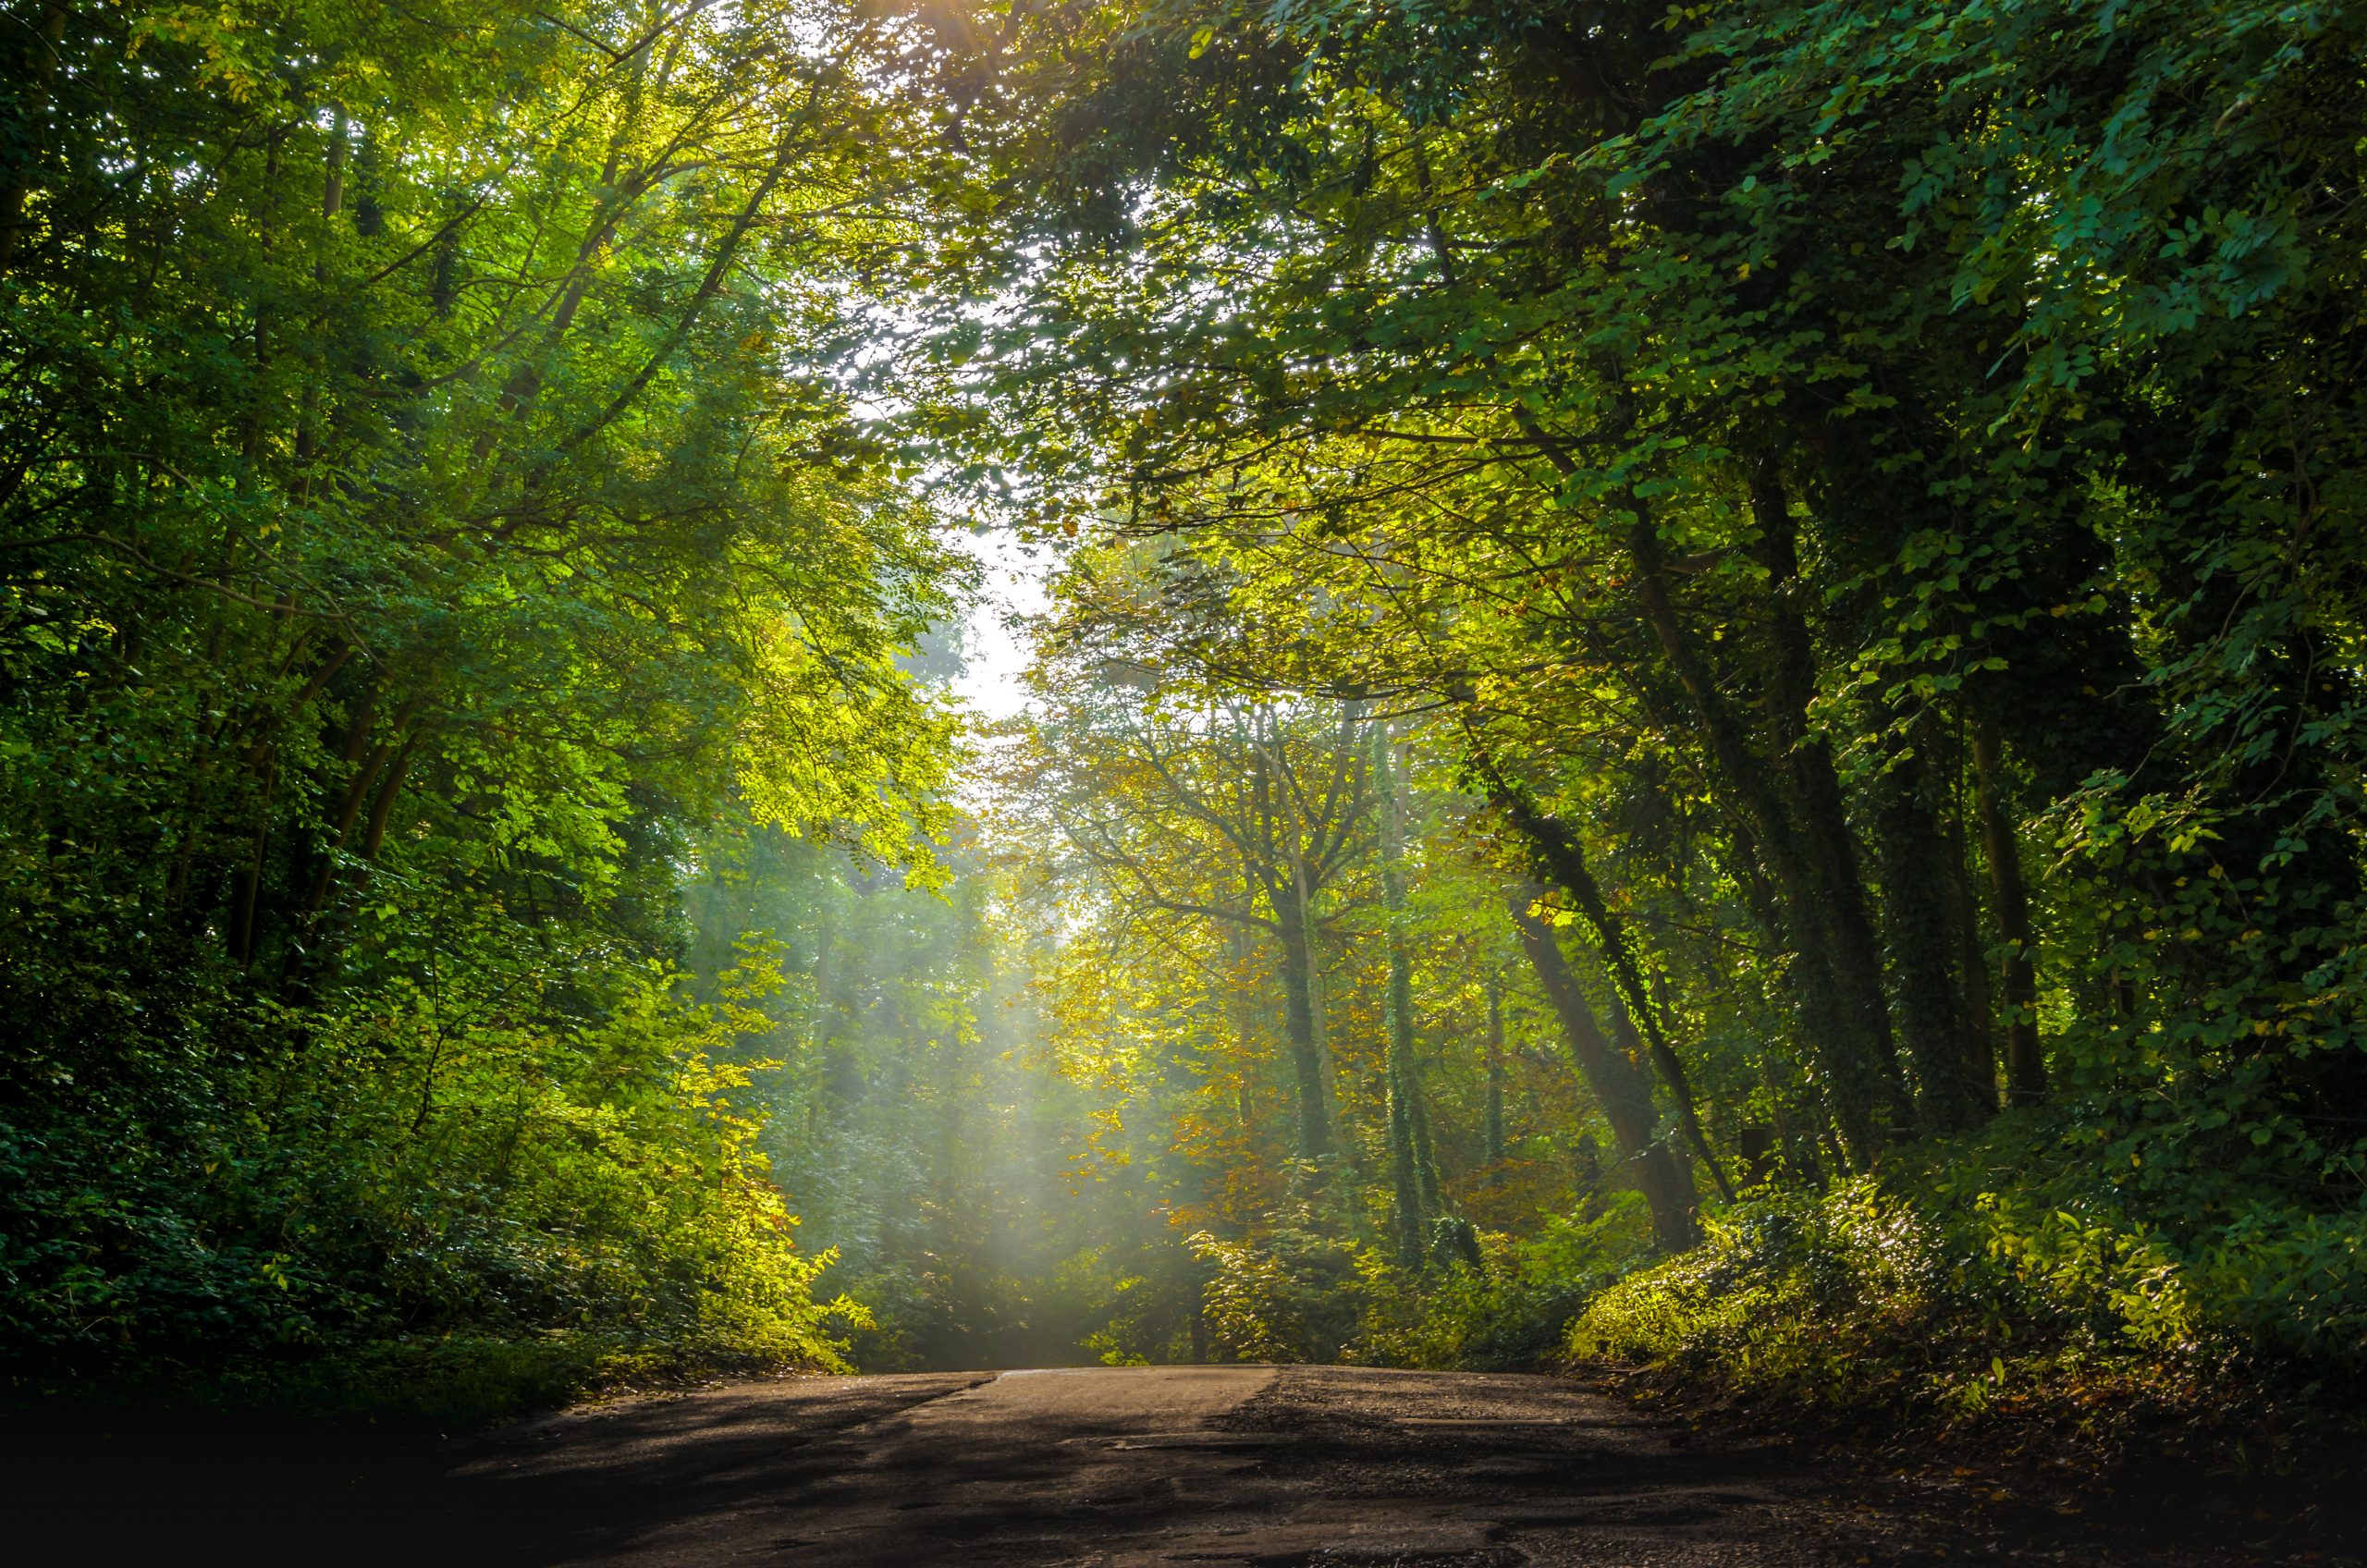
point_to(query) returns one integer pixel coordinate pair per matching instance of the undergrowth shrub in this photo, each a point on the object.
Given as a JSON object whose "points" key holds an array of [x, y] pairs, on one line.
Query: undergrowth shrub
{"points": [[1484, 1301], [1294, 1295], [1998, 1280], [1512, 1313]]}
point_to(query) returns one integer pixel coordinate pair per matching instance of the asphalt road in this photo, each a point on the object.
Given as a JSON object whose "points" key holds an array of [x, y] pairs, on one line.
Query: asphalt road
{"points": [[1113, 1467]]}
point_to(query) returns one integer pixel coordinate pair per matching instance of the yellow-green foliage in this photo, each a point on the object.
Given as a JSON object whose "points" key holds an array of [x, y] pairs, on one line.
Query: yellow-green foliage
{"points": [[1918, 1294], [1786, 1291], [436, 1206], [639, 1232], [359, 731], [1298, 1295], [1292, 1297]]}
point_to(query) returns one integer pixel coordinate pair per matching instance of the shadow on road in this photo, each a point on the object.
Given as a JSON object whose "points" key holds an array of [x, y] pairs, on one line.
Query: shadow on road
{"points": [[1109, 1467]]}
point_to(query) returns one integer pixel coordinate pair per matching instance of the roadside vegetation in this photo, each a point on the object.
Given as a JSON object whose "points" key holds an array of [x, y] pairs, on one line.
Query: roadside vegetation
{"points": [[1699, 701], [420, 543]]}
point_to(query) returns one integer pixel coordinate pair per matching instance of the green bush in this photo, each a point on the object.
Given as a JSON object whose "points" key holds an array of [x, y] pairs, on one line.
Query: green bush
{"points": [[1929, 1289], [1513, 1313], [1294, 1295], [427, 1205]]}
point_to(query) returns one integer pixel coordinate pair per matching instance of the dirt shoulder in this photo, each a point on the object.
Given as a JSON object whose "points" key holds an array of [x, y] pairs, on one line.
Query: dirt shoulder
{"points": [[2256, 1484]]}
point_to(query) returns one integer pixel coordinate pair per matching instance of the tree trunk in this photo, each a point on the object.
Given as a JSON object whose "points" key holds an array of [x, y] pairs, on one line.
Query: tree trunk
{"points": [[1808, 764], [1855, 1078], [358, 788], [1298, 1027], [1915, 920], [1976, 1024], [1562, 857], [1425, 1155], [1413, 1199], [1405, 1216], [1618, 1085], [1238, 1004], [2025, 1059], [1743, 864], [1857, 1075], [1494, 1127], [375, 837]]}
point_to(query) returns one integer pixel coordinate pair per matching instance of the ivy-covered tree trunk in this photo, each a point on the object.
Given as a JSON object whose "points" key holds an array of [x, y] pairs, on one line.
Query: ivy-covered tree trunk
{"points": [[2025, 1057], [1857, 1080], [1559, 857], [1806, 761], [1916, 924], [1977, 1036], [1494, 1126], [1413, 1187], [1313, 1112]]}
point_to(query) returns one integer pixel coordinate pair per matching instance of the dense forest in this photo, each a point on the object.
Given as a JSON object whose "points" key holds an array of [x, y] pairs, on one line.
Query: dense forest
{"points": [[1698, 696]]}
